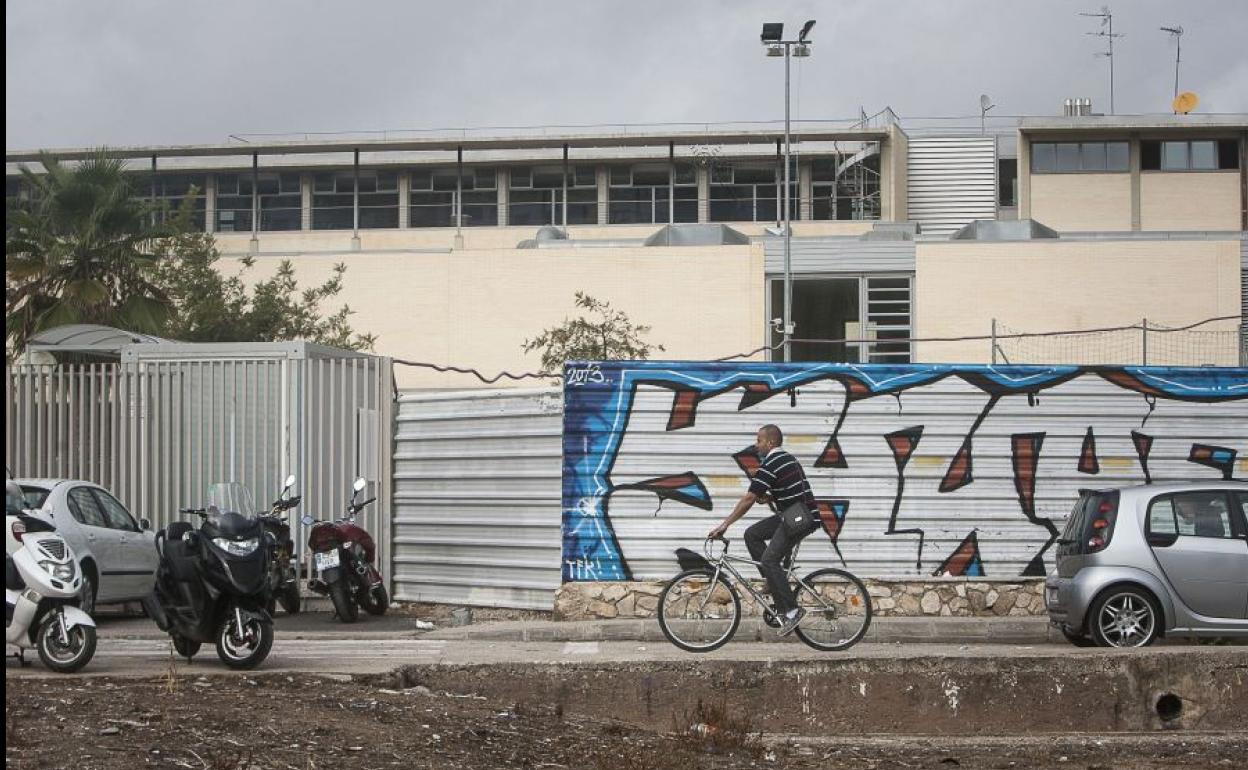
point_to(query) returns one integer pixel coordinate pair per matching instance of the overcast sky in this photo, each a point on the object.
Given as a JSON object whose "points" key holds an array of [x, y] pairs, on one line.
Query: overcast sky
{"points": [[129, 72]]}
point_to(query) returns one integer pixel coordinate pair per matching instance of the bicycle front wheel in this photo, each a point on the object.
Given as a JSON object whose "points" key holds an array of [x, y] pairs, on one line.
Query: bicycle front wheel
{"points": [[838, 610], [697, 612]]}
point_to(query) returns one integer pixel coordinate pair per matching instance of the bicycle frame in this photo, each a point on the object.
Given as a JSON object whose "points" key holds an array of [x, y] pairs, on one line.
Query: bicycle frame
{"points": [[723, 563]]}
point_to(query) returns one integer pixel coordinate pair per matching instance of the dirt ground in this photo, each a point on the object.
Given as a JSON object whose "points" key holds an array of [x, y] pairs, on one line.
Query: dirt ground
{"points": [[279, 722]]}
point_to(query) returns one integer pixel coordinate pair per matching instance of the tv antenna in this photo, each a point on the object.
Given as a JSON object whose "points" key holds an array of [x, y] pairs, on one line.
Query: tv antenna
{"points": [[1176, 32], [1106, 31], [985, 104]]}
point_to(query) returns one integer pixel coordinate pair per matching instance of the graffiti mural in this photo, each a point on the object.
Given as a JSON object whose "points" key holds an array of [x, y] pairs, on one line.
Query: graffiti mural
{"points": [[919, 469]]}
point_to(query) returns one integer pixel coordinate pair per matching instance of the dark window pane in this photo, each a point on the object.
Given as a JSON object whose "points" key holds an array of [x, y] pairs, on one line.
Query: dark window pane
{"points": [[548, 178], [1150, 156], [445, 179], [1228, 154], [484, 178], [476, 215], [368, 182], [431, 216], [650, 175], [387, 181], [585, 176], [1174, 156], [521, 176], [1204, 156], [621, 176], [1093, 156], [686, 174], [1068, 156], [323, 183], [755, 175], [1007, 178], [1043, 158], [721, 174], [421, 179], [1117, 156]]}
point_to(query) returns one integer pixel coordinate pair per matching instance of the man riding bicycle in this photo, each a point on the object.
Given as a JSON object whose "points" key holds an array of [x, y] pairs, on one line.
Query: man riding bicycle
{"points": [[781, 480]]}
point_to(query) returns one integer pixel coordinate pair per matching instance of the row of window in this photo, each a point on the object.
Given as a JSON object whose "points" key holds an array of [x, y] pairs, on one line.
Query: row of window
{"points": [[1155, 155], [643, 193]]}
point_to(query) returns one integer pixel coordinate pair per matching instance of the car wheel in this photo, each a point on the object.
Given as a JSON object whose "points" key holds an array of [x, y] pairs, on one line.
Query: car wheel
{"points": [[1124, 616]]}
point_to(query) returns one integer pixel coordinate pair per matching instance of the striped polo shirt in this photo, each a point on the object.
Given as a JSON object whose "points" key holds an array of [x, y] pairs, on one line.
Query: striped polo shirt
{"points": [[781, 477]]}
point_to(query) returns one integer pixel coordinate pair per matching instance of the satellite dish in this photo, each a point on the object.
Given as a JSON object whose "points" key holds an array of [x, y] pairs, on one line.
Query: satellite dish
{"points": [[1185, 102], [985, 103]]}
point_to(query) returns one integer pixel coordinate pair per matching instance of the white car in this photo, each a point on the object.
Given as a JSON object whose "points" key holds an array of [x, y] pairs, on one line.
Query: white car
{"points": [[117, 553]]}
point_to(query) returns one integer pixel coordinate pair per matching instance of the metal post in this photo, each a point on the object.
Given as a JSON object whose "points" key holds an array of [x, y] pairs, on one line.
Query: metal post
{"points": [[994, 341], [355, 201], [1144, 340], [457, 208], [152, 192], [459, 191], [1178, 55], [788, 262], [565, 187], [1111, 64], [671, 182], [779, 178], [255, 202]]}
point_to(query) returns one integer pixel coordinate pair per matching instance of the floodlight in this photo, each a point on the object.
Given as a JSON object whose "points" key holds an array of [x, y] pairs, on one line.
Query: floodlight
{"points": [[801, 49], [772, 32], [775, 50], [801, 38]]}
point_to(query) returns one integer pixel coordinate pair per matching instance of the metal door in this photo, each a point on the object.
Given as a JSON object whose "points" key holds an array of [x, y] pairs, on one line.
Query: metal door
{"points": [[1193, 537]]}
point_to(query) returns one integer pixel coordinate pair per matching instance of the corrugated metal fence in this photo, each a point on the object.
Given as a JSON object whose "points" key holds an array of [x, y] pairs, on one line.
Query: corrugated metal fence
{"points": [[157, 433], [477, 514]]}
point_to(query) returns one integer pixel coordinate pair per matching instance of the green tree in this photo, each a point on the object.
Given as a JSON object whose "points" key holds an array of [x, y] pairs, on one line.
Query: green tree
{"points": [[82, 251], [607, 335], [211, 306]]}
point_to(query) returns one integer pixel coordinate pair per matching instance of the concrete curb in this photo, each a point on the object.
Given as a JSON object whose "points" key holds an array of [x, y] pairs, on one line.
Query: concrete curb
{"points": [[883, 631]]}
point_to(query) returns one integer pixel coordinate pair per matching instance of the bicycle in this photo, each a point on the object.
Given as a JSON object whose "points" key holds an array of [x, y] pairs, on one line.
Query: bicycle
{"points": [[700, 608]]}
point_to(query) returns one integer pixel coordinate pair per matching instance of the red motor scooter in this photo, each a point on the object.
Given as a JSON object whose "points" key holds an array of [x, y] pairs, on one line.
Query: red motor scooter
{"points": [[342, 555]]}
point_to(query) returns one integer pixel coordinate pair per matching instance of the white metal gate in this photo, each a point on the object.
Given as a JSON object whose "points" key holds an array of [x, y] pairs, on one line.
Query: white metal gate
{"points": [[157, 431]]}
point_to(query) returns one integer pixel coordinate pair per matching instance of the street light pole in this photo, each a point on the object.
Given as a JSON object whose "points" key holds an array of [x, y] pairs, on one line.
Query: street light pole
{"points": [[771, 37], [788, 225]]}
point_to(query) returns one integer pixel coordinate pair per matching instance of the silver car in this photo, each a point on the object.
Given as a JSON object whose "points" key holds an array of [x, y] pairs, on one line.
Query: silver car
{"points": [[1138, 563], [117, 553]]}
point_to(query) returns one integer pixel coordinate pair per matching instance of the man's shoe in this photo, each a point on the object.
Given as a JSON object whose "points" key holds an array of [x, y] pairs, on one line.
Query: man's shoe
{"points": [[790, 623]]}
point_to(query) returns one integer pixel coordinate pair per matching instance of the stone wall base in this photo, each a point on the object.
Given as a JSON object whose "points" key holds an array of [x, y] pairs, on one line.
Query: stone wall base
{"points": [[945, 597]]}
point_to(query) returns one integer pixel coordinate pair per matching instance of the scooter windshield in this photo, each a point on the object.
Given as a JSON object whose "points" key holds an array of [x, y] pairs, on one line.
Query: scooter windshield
{"points": [[230, 497]]}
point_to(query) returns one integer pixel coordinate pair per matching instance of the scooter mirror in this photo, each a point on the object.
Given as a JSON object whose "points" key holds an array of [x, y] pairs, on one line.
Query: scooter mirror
{"points": [[359, 485], [290, 481], [307, 520]]}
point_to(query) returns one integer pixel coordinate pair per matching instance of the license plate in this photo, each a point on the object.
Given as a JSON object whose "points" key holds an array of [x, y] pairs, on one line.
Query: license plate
{"points": [[325, 560]]}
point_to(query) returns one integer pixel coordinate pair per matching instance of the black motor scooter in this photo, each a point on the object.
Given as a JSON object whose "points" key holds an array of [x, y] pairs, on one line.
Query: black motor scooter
{"points": [[212, 585], [283, 571]]}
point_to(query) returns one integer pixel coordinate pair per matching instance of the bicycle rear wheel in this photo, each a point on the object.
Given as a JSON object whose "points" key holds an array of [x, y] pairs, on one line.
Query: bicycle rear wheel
{"points": [[838, 610], [697, 612]]}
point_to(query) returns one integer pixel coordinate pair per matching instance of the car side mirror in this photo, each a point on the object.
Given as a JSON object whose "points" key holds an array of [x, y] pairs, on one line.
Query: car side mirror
{"points": [[144, 525]]}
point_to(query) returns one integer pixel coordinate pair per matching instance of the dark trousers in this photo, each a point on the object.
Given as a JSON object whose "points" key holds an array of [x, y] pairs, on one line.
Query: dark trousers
{"points": [[769, 544]]}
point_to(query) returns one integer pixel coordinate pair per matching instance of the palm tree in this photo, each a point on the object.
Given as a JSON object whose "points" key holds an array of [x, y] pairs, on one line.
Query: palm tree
{"points": [[82, 250]]}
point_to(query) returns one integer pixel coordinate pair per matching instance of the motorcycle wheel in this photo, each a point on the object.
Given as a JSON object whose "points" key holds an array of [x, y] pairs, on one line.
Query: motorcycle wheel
{"points": [[60, 657], [247, 649], [289, 598], [344, 603], [375, 601], [185, 647]]}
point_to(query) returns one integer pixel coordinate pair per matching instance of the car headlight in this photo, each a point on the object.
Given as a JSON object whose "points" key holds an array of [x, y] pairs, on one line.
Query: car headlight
{"points": [[59, 570], [237, 547]]}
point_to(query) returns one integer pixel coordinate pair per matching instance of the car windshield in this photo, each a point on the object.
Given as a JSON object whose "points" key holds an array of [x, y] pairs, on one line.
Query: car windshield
{"points": [[34, 496], [230, 497]]}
